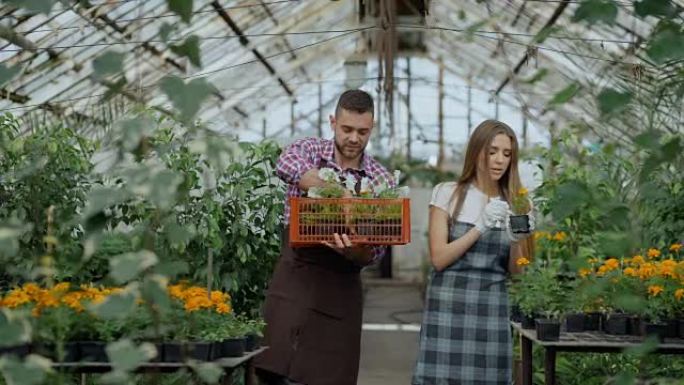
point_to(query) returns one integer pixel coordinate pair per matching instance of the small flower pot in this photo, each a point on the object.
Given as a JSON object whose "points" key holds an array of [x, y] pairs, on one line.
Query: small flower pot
{"points": [[200, 351], [528, 322], [681, 328], [232, 347], [547, 329], [654, 329], [516, 314], [173, 352], [45, 349], [93, 351], [72, 352], [616, 324], [672, 328], [634, 325], [592, 321], [19, 351], [574, 323], [252, 342], [520, 224]]}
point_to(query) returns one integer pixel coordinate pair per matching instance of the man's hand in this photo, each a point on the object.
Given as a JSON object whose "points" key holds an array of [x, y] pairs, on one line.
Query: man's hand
{"points": [[361, 255]]}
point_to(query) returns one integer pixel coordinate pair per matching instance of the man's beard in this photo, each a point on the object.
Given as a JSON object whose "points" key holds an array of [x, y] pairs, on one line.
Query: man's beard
{"points": [[340, 149]]}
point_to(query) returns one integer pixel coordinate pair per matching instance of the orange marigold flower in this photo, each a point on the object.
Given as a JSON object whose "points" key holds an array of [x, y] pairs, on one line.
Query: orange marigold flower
{"points": [[653, 253], [522, 191], [560, 236], [654, 290], [612, 264], [16, 298], [584, 272], [522, 261], [679, 294], [223, 308], [637, 260], [592, 260], [61, 287], [630, 272], [602, 271], [196, 303], [675, 247]]}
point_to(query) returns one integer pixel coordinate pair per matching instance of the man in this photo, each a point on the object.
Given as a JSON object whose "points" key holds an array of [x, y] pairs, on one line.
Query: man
{"points": [[314, 304]]}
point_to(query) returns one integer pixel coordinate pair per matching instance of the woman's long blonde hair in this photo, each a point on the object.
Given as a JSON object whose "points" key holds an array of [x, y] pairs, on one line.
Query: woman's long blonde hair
{"points": [[480, 141]]}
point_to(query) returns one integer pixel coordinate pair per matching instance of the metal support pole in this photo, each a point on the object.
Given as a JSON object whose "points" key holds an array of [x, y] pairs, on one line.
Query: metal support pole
{"points": [[408, 107], [440, 116]]}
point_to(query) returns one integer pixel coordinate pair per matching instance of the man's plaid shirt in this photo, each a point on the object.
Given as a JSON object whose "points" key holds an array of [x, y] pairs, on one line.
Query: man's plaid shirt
{"points": [[306, 154]]}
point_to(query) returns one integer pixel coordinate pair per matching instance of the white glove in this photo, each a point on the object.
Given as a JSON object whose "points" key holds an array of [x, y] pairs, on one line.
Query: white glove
{"points": [[495, 213], [518, 237]]}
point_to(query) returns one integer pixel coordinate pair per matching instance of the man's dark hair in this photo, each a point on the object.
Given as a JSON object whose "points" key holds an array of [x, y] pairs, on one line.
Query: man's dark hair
{"points": [[356, 101]]}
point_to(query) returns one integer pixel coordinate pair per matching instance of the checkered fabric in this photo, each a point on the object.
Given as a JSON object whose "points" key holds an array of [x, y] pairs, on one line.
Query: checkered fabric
{"points": [[465, 337]]}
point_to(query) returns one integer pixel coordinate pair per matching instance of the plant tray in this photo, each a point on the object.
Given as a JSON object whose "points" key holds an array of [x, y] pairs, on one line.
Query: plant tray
{"points": [[366, 221]]}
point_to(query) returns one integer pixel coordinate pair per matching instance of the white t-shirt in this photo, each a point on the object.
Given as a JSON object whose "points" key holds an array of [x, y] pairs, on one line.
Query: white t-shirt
{"points": [[473, 206]]}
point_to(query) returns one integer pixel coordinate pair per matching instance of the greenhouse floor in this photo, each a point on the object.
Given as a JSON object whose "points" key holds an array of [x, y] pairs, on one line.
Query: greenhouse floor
{"points": [[389, 342]]}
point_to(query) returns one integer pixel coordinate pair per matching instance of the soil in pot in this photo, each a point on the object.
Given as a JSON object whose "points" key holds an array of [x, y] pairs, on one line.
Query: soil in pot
{"points": [[547, 329], [574, 322]]}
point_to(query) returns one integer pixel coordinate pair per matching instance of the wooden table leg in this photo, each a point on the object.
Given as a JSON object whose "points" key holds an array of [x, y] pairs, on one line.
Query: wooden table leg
{"points": [[250, 376], [526, 348], [550, 366]]}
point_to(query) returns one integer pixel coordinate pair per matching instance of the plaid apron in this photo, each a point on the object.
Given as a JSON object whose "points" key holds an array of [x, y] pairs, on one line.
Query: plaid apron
{"points": [[465, 338]]}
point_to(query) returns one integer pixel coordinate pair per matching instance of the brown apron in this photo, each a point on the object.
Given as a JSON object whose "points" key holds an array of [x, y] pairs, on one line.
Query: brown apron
{"points": [[313, 315]]}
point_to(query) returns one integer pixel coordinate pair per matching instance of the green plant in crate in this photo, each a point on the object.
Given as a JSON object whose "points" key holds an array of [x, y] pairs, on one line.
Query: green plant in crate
{"points": [[539, 291]]}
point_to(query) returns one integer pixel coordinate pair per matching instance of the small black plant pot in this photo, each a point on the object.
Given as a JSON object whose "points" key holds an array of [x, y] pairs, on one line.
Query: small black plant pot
{"points": [[72, 352], [252, 342], [547, 329], [574, 322], [520, 224], [45, 349], [681, 328], [93, 351], [616, 324], [199, 350], [592, 321], [672, 328], [634, 325], [173, 352], [528, 322], [654, 329], [232, 347], [19, 351], [516, 314]]}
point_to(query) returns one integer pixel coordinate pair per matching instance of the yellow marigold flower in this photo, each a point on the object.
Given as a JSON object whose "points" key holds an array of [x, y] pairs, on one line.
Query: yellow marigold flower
{"points": [[176, 291], [630, 272], [31, 289], [223, 308], [592, 260], [654, 290], [218, 297], [522, 191], [73, 300], [653, 253], [675, 247], [540, 234], [61, 287], [637, 260], [612, 264], [679, 294], [602, 270], [35, 312], [522, 261], [196, 303], [16, 298], [584, 272], [559, 236]]}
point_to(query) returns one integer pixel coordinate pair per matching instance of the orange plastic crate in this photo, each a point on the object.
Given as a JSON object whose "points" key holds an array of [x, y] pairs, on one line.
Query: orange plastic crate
{"points": [[365, 221]]}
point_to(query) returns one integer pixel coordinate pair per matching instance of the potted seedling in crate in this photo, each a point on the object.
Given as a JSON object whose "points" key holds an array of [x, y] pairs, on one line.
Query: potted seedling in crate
{"points": [[520, 220]]}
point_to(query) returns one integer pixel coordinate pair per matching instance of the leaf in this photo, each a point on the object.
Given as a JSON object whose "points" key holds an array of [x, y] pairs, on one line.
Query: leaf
{"points": [[165, 31], [115, 306], [171, 269], [539, 75], [655, 8], [42, 6], [164, 186], [182, 8], [14, 329], [109, 63], [127, 266], [631, 303], [611, 101], [126, 356], [154, 291], [207, 371], [30, 372], [666, 43], [101, 198], [648, 140], [186, 98], [114, 89], [473, 28], [190, 49], [8, 73], [132, 130], [625, 378], [177, 234], [649, 345], [565, 94], [596, 11], [542, 35], [570, 196], [614, 243]]}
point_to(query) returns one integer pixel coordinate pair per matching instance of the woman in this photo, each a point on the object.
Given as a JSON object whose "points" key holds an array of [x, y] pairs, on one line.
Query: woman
{"points": [[465, 336]]}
